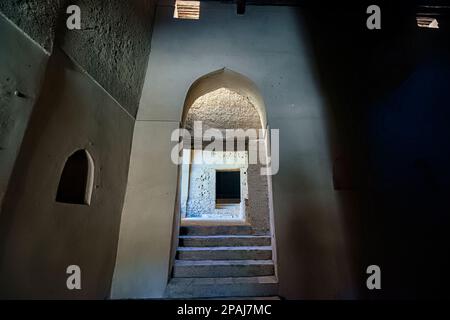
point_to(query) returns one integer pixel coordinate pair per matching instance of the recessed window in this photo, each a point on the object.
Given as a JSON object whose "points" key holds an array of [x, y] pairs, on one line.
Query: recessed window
{"points": [[187, 10], [228, 187], [427, 22], [77, 178]]}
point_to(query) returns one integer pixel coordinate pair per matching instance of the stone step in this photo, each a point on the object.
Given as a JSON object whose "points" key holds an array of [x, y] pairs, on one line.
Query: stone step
{"points": [[188, 288], [222, 268], [224, 241], [224, 253], [215, 230]]}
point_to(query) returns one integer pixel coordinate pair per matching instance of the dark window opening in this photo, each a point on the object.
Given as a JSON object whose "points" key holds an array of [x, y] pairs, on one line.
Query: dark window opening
{"points": [[228, 187], [73, 185]]}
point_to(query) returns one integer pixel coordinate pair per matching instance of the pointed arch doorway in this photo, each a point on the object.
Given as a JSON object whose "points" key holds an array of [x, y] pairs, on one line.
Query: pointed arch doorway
{"points": [[224, 242]]}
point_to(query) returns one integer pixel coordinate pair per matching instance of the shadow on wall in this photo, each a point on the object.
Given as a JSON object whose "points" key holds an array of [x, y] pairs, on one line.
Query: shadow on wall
{"points": [[388, 121]]}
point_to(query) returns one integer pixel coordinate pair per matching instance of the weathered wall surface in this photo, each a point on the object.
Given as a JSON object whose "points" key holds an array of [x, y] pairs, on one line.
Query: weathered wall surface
{"points": [[22, 69], [201, 202], [37, 18], [223, 109], [40, 238], [266, 46], [269, 45], [113, 45], [254, 208]]}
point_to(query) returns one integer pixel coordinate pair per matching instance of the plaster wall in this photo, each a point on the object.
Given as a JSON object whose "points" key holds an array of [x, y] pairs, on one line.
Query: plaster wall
{"points": [[112, 45], [22, 70], [40, 238], [267, 46], [37, 18], [257, 207]]}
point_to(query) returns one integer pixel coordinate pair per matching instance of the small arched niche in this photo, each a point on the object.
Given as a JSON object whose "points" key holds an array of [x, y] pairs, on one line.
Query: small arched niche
{"points": [[77, 179]]}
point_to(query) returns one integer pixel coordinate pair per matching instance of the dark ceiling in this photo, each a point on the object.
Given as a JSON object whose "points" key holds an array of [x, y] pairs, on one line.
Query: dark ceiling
{"points": [[438, 7]]}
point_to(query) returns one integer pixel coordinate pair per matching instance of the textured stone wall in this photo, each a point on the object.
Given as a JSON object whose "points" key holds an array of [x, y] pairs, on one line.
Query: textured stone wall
{"points": [[37, 18], [223, 109], [113, 44], [273, 54], [71, 111], [258, 211], [202, 186]]}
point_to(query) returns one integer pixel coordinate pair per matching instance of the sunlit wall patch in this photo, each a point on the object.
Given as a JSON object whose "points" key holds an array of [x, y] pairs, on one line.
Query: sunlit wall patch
{"points": [[427, 22], [187, 10]]}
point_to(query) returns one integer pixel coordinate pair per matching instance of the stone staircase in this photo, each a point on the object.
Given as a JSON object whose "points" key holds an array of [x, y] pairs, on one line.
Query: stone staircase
{"points": [[222, 261]]}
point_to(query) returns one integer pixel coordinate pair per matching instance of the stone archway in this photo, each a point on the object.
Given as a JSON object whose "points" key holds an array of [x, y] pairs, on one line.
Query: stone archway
{"points": [[221, 110], [232, 242]]}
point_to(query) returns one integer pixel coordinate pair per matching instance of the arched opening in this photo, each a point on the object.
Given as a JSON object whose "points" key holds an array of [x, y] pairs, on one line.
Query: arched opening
{"points": [[224, 199], [214, 185], [77, 178], [221, 101]]}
